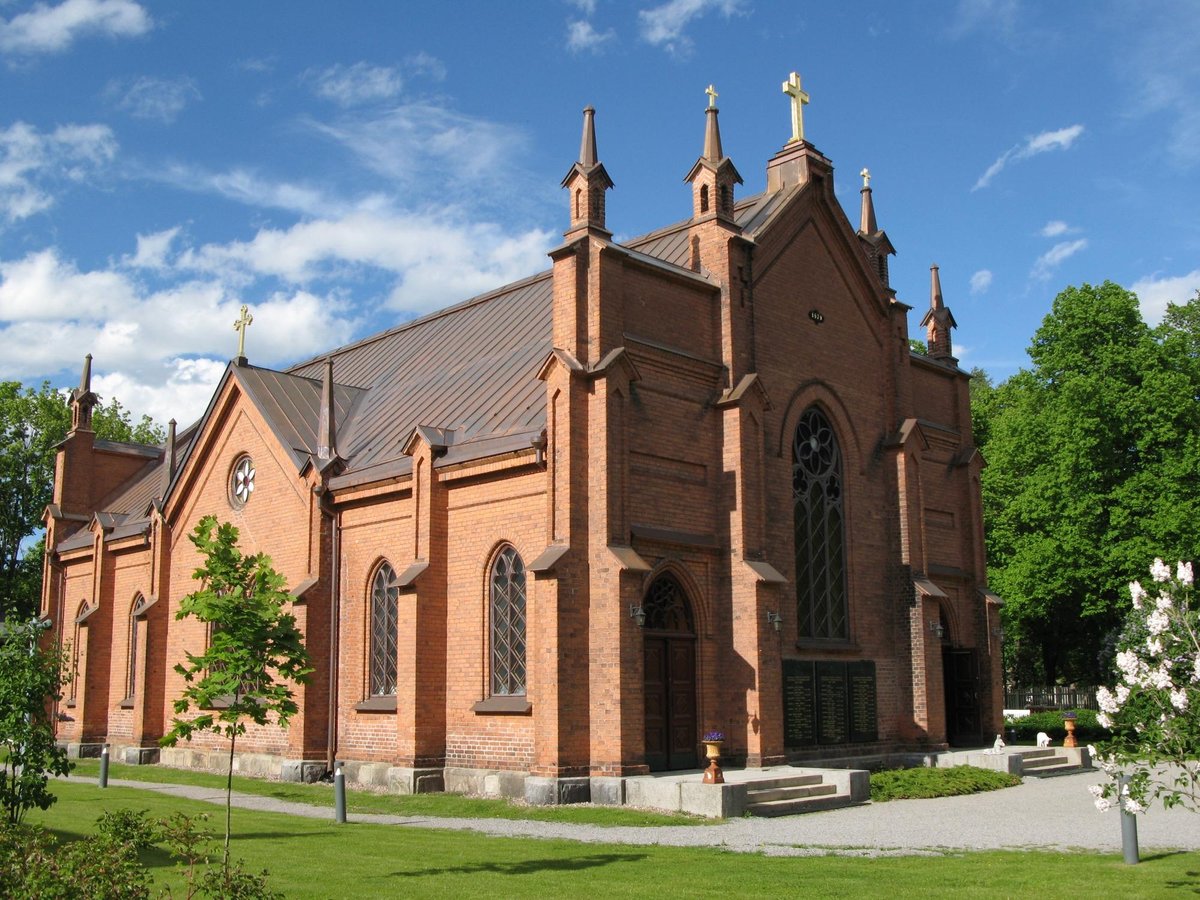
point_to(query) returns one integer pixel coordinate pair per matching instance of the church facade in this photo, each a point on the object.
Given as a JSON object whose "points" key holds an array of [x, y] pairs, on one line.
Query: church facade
{"points": [[551, 536]]}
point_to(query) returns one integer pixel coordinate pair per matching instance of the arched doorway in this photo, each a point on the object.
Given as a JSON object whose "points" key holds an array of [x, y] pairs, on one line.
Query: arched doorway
{"points": [[670, 676], [961, 690]]}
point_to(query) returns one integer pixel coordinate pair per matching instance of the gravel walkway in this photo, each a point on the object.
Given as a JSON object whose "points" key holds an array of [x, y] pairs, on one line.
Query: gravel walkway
{"points": [[1045, 814]]}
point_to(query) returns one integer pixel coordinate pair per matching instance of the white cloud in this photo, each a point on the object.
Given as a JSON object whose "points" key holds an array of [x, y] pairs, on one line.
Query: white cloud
{"points": [[33, 162], [152, 250], [156, 99], [251, 188], [182, 391], [664, 25], [1155, 292], [1062, 139], [1050, 260], [985, 15], [357, 84], [48, 29], [1160, 67], [981, 281], [581, 36], [587, 7], [426, 64], [1056, 228]]}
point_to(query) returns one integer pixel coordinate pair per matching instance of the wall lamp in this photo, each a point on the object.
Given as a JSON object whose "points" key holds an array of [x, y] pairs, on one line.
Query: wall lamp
{"points": [[936, 628], [775, 620], [638, 614]]}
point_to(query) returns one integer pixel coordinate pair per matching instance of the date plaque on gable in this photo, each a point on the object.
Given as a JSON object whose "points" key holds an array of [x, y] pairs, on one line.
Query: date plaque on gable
{"points": [[816, 315]]}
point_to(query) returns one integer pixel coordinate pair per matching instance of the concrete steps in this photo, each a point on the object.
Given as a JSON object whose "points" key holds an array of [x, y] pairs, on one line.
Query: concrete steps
{"points": [[793, 794], [1050, 761]]}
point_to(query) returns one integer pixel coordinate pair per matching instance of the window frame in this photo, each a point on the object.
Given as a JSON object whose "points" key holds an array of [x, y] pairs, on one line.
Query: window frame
{"points": [[384, 588], [514, 685]]}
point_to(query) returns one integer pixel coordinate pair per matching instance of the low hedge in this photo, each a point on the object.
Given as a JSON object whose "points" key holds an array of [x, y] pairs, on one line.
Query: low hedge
{"points": [[1024, 730], [926, 783]]}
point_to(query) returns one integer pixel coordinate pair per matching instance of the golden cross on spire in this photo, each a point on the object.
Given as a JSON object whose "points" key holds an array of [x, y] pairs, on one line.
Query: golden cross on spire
{"points": [[866, 177], [792, 88], [712, 96], [240, 327]]}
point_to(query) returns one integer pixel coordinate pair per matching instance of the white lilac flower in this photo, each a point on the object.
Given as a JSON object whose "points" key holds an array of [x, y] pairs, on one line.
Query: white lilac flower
{"points": [[1103, 804], [1096, 790], [1104, 720], [1154, 645], [1164, 601], [1161, 678], [1159, 571], [1157, 622], [1196, 669], [1137, 592], [1179, 700], [1129, 664], [1133, 806], [1184, 573], [1122, 694], [1108, 703]]}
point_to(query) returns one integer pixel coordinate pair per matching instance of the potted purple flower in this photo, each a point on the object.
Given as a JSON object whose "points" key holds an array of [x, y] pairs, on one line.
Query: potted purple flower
{"points": [[712, 741], [1069, 724]]}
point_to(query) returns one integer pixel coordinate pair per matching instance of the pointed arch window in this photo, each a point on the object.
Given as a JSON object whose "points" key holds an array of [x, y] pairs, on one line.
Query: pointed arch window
{"points": [[819, 518], [385, 613], [131, 667], [666, 606], [508, 623]]}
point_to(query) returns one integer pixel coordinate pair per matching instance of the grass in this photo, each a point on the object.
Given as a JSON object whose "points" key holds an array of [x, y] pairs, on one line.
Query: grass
{"points": [[455, 806], [926, 783], [315, 858]]}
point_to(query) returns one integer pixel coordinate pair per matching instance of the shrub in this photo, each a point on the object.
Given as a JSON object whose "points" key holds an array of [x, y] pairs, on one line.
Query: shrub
{"points": [[34, 864], [925, 783], [1025, 729]]}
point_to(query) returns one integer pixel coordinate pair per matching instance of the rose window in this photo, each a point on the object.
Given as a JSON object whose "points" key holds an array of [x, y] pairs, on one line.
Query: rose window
{"points": [[241, 485]]}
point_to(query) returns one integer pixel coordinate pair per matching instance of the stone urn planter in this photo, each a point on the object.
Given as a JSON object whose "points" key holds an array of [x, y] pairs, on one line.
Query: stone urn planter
{"points": [[712, 751], [1069, 724]]}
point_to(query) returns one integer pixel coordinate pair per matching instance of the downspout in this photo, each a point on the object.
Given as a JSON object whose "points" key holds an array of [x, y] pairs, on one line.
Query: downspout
{"points": [[335, 521]]}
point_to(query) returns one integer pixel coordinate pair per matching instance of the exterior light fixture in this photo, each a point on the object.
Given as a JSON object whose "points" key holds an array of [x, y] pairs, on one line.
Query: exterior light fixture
{"points": [[638, 614], [936, 628], [775, 620]]}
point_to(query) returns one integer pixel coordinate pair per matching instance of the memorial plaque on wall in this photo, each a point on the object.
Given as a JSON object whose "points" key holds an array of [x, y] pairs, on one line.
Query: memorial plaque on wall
{"points": [[864, 725], [799, 704], [832, 703]]}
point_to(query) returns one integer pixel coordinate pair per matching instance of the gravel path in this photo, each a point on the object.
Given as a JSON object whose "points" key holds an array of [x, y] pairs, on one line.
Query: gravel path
{"points": [[1046, 814]]}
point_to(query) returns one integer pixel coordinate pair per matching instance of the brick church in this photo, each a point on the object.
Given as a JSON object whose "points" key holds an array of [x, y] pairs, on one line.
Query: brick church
{"points": [[550, 536]]}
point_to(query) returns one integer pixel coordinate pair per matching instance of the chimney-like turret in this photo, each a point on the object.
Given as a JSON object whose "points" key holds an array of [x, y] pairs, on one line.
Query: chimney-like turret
{"points": [[938, 321], [587, 181]]}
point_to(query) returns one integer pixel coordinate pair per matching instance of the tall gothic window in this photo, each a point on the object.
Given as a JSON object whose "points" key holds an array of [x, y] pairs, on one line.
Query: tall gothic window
{"points": [[821, 607], [666, 606], [508, 623], [131, 673], [385, 611]]}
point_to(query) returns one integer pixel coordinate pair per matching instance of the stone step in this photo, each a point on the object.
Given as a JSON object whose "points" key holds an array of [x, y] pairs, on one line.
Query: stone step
{"points": [[1040, 753], [798, 805], [784, 781], [795, 792], [1066, 767], [1042, 762]]}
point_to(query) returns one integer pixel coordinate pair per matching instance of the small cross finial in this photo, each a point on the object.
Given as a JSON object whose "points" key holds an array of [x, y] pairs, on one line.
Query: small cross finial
{"points": [[866, 177], [240, 326], [712, 96], [792, 88]]}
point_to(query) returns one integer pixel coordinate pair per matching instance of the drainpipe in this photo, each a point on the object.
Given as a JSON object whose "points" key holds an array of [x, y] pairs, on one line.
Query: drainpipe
{"points": [[335, 523]]}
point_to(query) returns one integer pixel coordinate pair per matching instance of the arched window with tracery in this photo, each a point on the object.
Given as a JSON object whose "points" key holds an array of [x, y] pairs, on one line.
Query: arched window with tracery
{"points": [[508, 596], [385, 614], [819, 518], [666, 606], [131, 669]]}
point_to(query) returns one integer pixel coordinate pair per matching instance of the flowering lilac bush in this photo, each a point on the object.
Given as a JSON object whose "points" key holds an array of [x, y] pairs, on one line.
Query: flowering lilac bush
{"points": [[1154, 710]]}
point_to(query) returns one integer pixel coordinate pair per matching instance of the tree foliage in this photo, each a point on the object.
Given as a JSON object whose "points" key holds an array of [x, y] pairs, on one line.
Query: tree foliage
{"points": [[30, 678], [32, 423], [1092, 467], [255, 650]]}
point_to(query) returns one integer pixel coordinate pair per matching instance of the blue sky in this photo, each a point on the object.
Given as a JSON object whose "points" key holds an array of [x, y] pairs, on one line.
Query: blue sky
{"points": [[343, 168]]}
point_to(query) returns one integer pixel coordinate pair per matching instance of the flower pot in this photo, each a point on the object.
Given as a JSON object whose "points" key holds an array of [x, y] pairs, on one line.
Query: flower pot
{"points": [[1069, 740], [713, 774]]}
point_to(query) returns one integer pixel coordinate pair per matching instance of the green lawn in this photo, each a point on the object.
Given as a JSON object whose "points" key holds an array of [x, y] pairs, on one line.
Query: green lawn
{"points": [[315, 858], [454, 806]]}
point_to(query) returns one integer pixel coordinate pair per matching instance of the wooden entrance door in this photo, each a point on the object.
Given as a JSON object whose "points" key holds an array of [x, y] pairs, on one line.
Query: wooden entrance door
{"points": [[670, 702], [963, 725], [670, 676]]}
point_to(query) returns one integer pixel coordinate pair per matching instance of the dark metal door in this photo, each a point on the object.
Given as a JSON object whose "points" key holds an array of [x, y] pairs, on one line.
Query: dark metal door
{"points": [[670, 702], [962, 697]]}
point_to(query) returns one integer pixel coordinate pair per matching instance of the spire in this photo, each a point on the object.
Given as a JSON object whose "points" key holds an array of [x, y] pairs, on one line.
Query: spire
{"points": [[587, 181], [714, 174], [867, 219], [326, 431], [938, 321], [169, 456], [83, 401], [587, 144]]}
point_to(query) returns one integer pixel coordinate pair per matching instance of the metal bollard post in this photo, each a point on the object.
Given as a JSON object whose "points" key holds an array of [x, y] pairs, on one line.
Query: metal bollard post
{"points": [[339, 794], [1129, 840], [104, 767]]}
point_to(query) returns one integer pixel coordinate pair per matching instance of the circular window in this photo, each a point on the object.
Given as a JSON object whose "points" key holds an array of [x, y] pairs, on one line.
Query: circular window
{"points": [[241, 482]]}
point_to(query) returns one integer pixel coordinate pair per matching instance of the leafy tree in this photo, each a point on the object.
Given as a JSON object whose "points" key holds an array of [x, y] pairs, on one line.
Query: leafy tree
{"points": [[30, 678], [32, 423], [1088, 456], [255, 649]]}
